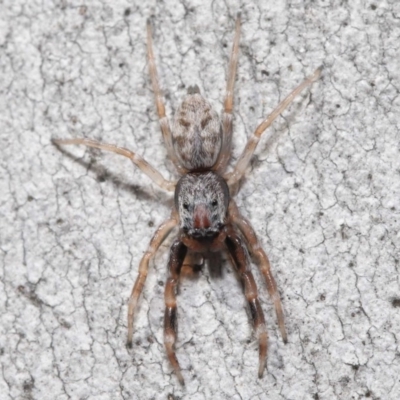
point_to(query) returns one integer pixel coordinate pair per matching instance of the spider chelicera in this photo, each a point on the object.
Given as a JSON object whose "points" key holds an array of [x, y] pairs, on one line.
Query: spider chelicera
{"points": [[209, 221]]}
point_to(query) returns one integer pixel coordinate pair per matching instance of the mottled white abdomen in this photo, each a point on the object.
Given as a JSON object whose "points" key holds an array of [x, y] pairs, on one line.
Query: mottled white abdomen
{"points": [[196, 132]]}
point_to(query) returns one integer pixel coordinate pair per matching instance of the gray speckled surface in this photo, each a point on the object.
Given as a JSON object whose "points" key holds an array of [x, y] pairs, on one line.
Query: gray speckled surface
{"points": [[322, 193]]}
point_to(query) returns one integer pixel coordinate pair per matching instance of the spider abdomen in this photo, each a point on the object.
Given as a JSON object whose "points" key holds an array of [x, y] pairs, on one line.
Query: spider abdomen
{"points": [[196, 133]]}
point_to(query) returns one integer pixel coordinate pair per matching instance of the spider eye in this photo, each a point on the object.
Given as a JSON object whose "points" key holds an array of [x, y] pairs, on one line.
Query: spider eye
{"points": [[214, 203], [186, 206]]}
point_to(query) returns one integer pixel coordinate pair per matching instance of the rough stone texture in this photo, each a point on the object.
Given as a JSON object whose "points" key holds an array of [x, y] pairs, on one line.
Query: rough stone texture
{"points": [[323, 194]]}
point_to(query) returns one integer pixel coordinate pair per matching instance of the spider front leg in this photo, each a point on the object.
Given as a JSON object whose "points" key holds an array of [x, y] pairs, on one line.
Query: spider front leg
{"points": [[244, 159], [140, 162], [262, 260], [176, 258], [161, 233], [239, 258]]}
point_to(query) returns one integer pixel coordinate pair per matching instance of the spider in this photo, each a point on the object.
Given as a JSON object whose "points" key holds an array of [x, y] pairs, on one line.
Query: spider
{"points": [[209, 221]]}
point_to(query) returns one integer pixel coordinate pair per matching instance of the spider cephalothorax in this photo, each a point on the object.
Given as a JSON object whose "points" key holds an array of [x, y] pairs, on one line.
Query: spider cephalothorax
{"points": [[208, 219], [201, 200]]}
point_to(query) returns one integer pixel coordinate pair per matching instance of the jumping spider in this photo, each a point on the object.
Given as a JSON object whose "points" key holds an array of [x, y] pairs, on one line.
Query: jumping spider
{"points": [[208, 218]]}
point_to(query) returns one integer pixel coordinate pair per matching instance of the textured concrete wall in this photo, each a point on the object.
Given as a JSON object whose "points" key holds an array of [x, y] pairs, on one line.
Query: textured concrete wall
{"points": [[322, 193]]}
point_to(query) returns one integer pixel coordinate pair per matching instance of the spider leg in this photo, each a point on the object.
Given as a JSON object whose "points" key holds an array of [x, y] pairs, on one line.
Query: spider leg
{"points": [[239, 257], [176, 258], [262, 260], [251, 145], [164, 124], [228, 102], [161, 233], [140, 162]]}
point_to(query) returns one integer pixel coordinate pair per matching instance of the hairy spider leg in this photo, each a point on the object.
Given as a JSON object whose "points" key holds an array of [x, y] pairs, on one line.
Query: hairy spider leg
{"points": [[159, 236], [164, 123], [177, 255], [140, 162], [251, 145], [225, 152], [261, 260], [238, 254]]}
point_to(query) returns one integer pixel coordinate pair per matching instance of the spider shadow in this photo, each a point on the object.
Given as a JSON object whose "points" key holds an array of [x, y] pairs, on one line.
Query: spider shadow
{"points": [[281, 127], [285, 123], [194, 264], [102, 175]]}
